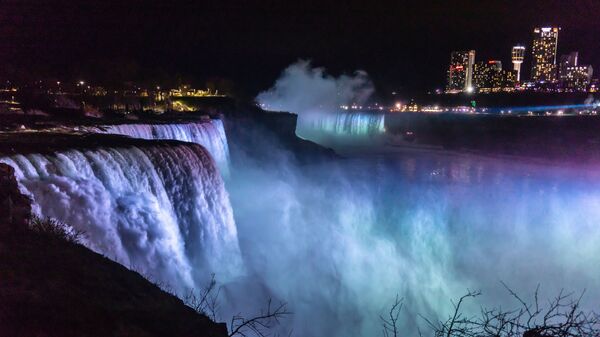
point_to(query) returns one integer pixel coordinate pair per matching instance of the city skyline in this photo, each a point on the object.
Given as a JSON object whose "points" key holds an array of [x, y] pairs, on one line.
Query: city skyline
{"points": [[465, 74], [404, 46]]}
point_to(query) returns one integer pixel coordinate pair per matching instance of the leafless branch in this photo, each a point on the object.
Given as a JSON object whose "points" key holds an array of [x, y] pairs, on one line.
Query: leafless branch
{"points": [[562, 316], [260, 324], [390, 323], [206, 300]]}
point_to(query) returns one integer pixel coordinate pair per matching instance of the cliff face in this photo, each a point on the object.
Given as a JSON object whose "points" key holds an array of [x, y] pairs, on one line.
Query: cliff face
{"points": [[256, 133], [50, 287]]}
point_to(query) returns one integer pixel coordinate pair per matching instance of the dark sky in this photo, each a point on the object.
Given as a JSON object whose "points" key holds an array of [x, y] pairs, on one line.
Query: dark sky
{"points": [[402, 44]]}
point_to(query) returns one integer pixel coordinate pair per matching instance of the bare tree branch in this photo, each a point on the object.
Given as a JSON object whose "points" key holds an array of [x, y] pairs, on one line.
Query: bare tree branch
{"points": [[206, 300], [561, 317], [260, 324], [390, 323]]}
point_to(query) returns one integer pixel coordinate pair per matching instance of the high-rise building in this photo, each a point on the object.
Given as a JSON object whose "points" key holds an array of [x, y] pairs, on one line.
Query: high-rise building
{"points": [[566, 61], [543, 52], [489, 77], [518, 54], [460, 73], [578, 77], [481, 71], [509, 80]]}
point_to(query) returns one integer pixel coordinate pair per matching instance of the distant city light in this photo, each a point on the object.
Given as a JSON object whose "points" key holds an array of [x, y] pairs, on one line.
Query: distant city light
{"points": [[464, 75]]}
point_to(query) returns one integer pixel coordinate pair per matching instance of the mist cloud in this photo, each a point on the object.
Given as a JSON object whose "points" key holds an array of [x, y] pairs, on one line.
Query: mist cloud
{"points": [[303, 88]]}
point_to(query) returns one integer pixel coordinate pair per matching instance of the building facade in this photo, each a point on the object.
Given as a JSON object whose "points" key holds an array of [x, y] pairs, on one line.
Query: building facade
{"points": [[490, 77], [566, 61], [543, 53], [485, 73], [460, 72], [578, 78]]}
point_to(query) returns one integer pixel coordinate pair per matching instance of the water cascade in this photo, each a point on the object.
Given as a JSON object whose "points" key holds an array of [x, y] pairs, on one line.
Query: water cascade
{"points": [[341, 127], [211, 135], [161, 209]]}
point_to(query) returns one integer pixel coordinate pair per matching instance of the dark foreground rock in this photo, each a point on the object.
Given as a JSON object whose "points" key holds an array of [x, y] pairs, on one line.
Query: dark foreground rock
{"points": [[15, 208], [52, 287]]}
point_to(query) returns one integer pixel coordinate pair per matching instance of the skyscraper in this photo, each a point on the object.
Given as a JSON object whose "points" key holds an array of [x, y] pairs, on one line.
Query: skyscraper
{"points": [[484, 74], [490, 77], [566, 61], [543, 52], [518, 54], [460, 73]]}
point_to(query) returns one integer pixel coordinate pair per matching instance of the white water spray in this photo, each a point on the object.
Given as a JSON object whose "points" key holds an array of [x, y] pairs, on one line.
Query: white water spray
{"points": [[339, 240], [342, 128], [161, 209], [211, 135], [317, 98]]}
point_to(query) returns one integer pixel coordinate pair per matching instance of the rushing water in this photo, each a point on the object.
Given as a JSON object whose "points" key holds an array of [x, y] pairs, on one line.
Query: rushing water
{"points": [[339, 240], [342, 128], [162, 210], [211, 135]]}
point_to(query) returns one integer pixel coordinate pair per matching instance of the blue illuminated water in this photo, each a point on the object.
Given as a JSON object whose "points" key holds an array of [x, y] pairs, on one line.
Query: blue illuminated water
{"points": [[339, 240], [336, 239], [342, 128]]}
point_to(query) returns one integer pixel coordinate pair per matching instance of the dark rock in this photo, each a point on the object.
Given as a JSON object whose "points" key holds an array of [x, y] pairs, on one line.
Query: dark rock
{"points": [[15, 207], [265, 135], [52, 287]]}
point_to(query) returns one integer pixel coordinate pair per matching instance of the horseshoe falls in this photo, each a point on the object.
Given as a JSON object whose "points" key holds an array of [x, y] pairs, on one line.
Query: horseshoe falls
{"points": [[342, 128], [159, 208], [211, 135]]}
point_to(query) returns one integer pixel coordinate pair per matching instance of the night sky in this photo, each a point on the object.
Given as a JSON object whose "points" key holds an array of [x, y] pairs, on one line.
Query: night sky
{"points": [[403, 45]]}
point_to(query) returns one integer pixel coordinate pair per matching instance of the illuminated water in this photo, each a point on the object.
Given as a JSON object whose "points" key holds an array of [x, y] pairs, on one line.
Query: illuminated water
{"points": [[336, 240], [340, 240], [209, 134], [337, 128], [161, 210]]}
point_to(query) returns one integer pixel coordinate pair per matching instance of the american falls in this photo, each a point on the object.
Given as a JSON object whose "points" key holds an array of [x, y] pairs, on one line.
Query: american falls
{"points": [[210, 134], [159, 208]]}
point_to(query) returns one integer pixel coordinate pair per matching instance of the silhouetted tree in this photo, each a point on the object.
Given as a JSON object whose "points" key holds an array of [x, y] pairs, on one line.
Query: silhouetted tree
{"points": [[562, 316], [206, 302]]}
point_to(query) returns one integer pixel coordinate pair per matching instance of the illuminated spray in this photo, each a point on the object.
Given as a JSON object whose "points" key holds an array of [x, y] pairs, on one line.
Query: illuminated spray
{"points": [[317, 98], [162, 210], [340, 240], [336, 240]]}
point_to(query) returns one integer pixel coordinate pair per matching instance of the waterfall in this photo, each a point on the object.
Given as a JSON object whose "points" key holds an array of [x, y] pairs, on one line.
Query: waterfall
{"points": [[161, 209], [342, 130], [211, 135], [343, 123]]}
